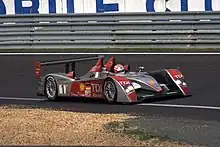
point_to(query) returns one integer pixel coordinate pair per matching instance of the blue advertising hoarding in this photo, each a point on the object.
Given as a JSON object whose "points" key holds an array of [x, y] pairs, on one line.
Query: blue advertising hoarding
{"points": [[101, 6]]}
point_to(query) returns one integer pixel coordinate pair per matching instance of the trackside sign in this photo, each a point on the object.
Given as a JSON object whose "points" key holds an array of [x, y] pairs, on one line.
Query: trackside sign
{"points": [[102, 6]]}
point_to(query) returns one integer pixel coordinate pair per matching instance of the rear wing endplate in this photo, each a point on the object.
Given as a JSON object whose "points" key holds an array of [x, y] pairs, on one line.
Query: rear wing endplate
{"points": [[68, 63]]}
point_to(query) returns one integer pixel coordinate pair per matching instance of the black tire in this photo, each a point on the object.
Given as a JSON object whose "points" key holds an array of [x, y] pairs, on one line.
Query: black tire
{"points": [[109, 84], [51, 90]]}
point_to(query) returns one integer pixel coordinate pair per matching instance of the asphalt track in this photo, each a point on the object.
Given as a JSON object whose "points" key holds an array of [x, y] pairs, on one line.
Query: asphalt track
{"points": [[201, 71]]}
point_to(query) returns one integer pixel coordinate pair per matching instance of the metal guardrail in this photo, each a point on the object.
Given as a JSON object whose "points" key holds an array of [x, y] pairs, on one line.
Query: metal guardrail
{"points": [[108, 30]]}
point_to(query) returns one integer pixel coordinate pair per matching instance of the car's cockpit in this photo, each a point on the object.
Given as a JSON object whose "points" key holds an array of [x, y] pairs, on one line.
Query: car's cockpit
{"points": [[100, 70]]}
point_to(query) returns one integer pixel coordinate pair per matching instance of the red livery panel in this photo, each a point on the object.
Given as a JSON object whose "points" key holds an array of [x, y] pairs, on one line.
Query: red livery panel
{"points": [[127, 86], [177, 75], [88, 89]]}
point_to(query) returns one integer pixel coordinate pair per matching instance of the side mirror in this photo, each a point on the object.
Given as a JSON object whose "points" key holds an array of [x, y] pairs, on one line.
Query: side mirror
{"points": [[141, 69]]}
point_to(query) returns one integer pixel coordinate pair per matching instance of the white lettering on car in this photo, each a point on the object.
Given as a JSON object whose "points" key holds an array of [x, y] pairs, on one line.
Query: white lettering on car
{"points": [[123, 83], [96, 87], [178, 76]]}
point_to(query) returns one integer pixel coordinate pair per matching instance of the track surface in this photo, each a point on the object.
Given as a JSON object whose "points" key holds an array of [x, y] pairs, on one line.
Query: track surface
{"points": [[201, 71]]}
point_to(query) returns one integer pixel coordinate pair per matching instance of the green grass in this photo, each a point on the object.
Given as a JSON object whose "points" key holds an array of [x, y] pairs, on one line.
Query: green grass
{"points": [[135, 131], [109, 50]]}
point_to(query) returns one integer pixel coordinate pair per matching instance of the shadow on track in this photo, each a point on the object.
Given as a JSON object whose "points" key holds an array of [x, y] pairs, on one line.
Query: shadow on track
{"points": [[104, 102], [160, 99]]}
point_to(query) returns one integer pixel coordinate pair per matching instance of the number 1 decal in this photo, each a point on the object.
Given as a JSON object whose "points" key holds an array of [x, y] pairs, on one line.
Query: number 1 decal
{"points": [[62, 89]]}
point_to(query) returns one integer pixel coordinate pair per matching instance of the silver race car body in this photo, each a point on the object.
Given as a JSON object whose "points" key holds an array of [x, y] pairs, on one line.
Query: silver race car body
{"points": [[102, 83]]}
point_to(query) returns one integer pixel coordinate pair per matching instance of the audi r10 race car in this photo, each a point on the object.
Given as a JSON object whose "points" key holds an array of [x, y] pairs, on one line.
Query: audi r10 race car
{"points": [[104, 82]]}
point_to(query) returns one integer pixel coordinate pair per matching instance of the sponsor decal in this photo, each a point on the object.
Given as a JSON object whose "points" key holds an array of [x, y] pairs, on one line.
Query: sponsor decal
{"points": [[179, 76], [123, 83], [154, 85], [96, 88], [88, 91], [82, 86], [152, 82]]}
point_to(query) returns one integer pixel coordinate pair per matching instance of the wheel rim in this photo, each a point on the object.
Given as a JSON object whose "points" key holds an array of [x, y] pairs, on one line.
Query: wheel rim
{"points": [[109, 91], [51, 88]]}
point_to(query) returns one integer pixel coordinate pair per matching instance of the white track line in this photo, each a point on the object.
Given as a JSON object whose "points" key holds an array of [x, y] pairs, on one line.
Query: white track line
{"points": [[21, 99], [181, 106], [129, 53], [148, 104]]}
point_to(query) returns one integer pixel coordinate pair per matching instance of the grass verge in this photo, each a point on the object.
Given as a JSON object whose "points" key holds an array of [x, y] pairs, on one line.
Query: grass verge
{"points": [[125, 128], [140, 134], [31, 126], [109, 50]]}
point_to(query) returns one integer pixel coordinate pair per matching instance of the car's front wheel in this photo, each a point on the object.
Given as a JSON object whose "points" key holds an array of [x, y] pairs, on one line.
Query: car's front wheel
{"points": [[51, 88], [110, 90]]}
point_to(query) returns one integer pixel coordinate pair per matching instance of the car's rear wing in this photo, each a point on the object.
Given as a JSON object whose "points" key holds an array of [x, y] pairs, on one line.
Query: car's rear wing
{"points": [[68, 63]]}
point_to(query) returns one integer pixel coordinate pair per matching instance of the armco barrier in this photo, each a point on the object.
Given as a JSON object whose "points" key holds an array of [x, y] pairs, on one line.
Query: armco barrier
{"points": [[111, 30]]}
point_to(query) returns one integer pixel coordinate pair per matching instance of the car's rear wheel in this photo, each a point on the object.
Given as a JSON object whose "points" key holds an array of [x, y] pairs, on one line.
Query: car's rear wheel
{"points": [[51, 89], [110, 91]]}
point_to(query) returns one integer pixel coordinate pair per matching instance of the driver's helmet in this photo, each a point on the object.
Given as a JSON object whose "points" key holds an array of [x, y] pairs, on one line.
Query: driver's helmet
{"points": [[119, 68]]}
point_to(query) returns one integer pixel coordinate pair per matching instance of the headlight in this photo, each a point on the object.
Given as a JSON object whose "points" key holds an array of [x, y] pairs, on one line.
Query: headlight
{"points": [[129, 89], [178, 82], [136, 86], [184, 84]]}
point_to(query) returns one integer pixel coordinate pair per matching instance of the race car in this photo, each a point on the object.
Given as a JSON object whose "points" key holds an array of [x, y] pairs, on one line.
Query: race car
{"points": [[111, 81]]}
